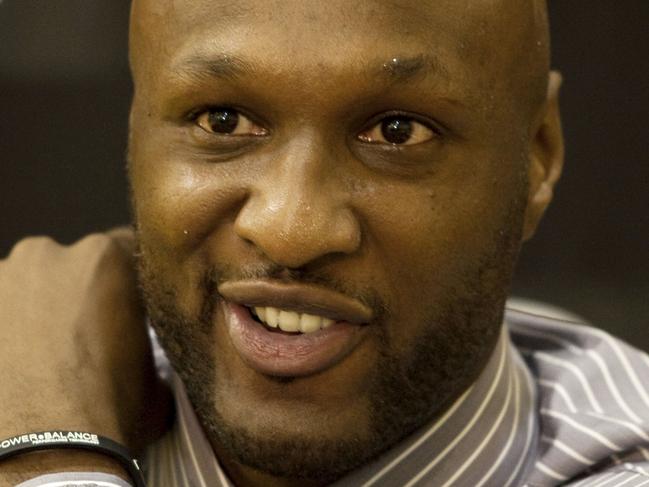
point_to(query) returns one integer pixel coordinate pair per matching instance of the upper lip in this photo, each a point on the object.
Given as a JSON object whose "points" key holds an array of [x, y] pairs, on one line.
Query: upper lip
{"points": [[302, 298]]}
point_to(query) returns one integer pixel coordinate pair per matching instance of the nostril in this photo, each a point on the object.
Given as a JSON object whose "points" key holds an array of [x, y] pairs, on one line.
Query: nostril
{"points": [[292, 232]]}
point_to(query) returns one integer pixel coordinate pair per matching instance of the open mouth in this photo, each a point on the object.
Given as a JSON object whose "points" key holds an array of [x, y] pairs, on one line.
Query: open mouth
{"points": [[292, 329], [286, 343], [289, 322]]}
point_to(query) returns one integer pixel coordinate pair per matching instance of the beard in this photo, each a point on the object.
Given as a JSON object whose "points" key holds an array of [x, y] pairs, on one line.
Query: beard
{"points": [[406, 389]]}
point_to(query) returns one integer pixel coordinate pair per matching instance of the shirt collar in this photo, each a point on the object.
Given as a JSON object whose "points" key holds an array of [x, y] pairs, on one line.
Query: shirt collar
{"points": [[484, 438]]}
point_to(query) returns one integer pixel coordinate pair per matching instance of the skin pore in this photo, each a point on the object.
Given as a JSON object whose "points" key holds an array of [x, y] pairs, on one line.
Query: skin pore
{"points": [[395, 153]]}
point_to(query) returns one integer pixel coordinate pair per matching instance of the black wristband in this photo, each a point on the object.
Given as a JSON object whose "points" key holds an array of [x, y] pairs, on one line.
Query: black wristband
{"points": [[78, 440]]}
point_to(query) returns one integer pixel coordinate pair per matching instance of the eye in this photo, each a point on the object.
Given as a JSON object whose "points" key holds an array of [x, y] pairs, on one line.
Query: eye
{"points": [[398, 130], [228, 121]]}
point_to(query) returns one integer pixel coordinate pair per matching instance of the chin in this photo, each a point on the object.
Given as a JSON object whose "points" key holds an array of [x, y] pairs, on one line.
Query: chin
{"points": [[299, 443]]}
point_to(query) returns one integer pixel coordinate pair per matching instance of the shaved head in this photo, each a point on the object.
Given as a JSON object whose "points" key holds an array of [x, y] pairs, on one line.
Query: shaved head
{"points": [[384, 156]]}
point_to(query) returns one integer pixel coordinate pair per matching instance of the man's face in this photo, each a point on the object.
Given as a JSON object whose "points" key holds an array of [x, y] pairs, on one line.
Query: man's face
{"points": [[357, 169]]}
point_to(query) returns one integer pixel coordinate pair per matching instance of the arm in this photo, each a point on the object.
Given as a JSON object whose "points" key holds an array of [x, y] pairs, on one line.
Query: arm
{"points": [[75, 353]]}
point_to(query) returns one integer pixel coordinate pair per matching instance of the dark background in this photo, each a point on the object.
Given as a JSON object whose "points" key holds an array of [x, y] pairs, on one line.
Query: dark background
{"points": [[65, 92]]}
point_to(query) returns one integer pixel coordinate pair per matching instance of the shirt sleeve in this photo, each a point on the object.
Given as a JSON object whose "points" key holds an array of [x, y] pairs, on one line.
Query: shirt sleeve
{"points": [[76, 479]]}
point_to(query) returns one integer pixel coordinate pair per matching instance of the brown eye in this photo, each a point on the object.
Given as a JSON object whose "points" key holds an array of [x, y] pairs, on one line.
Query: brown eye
{"points": [[398, 130], [223, 121], [228, 121]]}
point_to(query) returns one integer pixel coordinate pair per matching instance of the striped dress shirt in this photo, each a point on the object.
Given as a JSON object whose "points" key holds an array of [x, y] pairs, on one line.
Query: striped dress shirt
{"points": [[559, 403]]}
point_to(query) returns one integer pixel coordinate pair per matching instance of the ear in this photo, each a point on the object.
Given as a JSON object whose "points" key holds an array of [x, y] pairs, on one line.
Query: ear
{"points": [[546, 158]]}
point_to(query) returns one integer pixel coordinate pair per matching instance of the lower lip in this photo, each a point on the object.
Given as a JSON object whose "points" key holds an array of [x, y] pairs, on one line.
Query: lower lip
{"points": [[286, 355]]}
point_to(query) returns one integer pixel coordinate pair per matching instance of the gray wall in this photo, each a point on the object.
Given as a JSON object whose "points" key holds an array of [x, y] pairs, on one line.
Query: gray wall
{"points": [[64, 95]]}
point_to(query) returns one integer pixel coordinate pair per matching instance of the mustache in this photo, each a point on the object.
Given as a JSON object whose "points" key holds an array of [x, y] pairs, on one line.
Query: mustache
{"points": [[221, 273]]}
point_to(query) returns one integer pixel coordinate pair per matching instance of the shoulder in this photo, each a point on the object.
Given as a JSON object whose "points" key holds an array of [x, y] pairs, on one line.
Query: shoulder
{"points": [[560, 346], [593, 393]]}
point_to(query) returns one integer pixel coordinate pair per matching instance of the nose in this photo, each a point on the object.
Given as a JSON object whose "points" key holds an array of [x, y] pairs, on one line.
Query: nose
{"points": [[298, 212]]}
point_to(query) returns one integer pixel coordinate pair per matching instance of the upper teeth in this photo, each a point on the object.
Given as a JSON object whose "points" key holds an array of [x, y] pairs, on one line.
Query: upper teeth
{"points": [[291, 321]]}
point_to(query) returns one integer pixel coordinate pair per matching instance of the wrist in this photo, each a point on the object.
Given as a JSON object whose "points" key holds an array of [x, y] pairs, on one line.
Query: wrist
{"points": [[29, 465]]}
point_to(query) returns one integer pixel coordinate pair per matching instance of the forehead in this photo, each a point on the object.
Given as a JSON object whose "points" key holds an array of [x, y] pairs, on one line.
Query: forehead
{"points": [[315, 32]]}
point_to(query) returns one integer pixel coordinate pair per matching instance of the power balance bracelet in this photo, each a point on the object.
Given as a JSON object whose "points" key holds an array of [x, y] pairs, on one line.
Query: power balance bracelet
{"points": [[74, 440]]}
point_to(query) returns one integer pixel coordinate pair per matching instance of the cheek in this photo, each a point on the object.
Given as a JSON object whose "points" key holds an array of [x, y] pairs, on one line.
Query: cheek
{"points": [[176, 206], [178, 203], [430, 244], [422, 232], [178, 194]]}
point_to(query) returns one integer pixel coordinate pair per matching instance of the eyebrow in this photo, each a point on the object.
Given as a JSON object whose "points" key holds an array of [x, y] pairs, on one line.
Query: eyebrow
{"points": [[404, 68], [226, 67], [221, 66]]}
